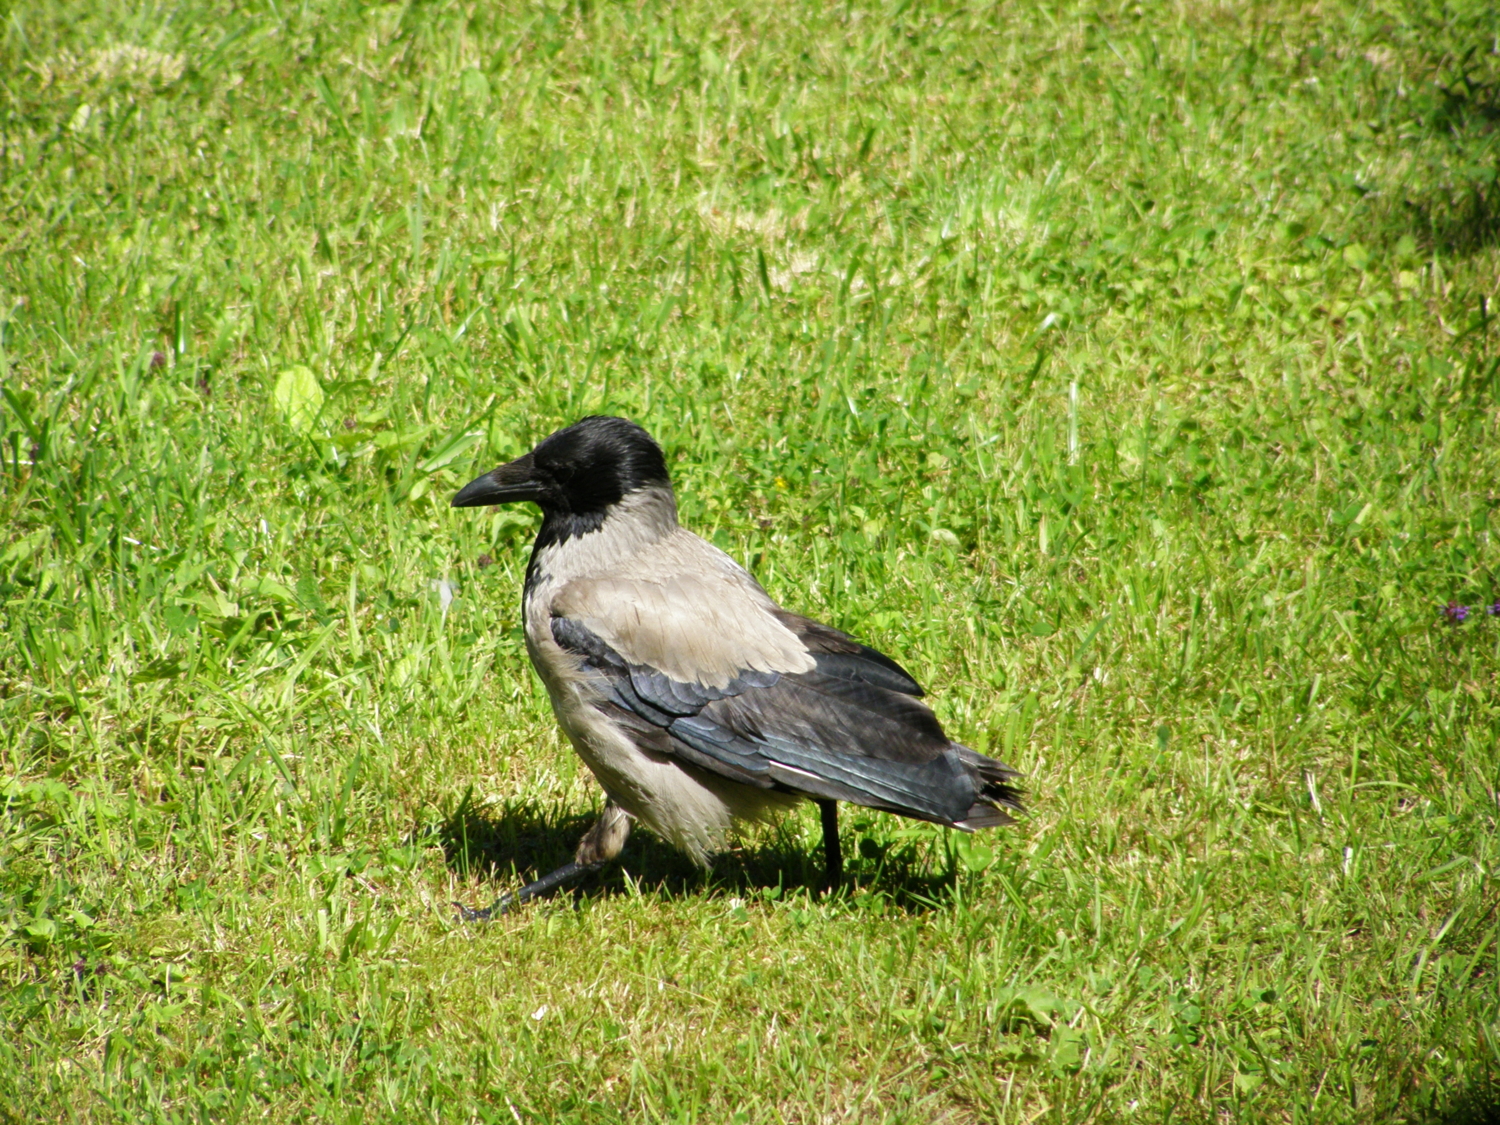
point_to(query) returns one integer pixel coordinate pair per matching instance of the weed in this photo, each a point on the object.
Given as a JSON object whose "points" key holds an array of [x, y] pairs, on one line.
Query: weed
{"points": [[1127, 372]]}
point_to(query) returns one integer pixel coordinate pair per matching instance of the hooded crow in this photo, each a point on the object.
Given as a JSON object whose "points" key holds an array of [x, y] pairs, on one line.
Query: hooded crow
{"points": [[694, 698]]}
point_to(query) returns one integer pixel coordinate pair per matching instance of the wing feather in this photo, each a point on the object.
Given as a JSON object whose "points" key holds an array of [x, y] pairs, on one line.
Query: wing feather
{"points": [[839, 654], [847, 727]]}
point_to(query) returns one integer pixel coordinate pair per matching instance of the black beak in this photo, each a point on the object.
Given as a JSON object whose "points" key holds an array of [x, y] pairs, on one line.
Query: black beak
{"points": [[505, 485]]}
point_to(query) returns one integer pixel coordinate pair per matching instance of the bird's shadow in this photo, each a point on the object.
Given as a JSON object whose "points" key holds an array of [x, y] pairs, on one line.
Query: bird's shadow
{"points": [[1476, 1104], [515, 842], [1460, 213]]}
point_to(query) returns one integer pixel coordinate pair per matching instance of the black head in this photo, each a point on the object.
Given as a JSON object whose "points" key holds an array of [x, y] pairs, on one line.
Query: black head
{"points": [[576, 473]]}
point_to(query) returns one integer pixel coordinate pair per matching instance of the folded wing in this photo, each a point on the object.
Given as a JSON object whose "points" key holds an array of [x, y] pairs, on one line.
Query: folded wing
{"points": [[783, 702]]}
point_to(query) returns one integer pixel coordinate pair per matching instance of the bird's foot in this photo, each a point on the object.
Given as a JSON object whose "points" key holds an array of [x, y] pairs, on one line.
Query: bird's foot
{"points": [[501, 905], [545, 885]]}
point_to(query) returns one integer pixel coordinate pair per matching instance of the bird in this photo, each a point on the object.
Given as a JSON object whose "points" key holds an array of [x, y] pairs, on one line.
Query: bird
{"points": [[695, 699]]}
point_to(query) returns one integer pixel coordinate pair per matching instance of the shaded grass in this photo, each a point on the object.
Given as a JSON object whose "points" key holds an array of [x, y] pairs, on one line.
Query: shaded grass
{"points": [[1130, 374]]}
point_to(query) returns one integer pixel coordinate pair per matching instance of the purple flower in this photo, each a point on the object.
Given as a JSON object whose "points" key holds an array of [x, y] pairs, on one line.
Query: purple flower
{"points": [[1455, 613]]}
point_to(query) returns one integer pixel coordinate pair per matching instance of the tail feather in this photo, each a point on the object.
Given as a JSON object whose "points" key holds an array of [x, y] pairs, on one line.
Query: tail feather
{"points": [[996, 795]]}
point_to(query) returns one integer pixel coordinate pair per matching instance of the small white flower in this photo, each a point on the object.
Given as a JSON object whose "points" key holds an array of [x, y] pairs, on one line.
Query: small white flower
{"points": [[446, 591]]}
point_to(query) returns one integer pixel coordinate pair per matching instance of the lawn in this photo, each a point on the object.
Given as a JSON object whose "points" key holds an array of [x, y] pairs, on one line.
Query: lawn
{"points": [[1128, 372]]}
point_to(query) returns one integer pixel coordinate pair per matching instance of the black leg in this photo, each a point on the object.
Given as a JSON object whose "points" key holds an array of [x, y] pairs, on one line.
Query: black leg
{"points": [[834, 873], [600, 844], [545, 885]]}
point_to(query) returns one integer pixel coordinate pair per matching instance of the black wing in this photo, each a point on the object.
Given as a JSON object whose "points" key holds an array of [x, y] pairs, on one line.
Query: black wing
{"points": [[851, 729]]}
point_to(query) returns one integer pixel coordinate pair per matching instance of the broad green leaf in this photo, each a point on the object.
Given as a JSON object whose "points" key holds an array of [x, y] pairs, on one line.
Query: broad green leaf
{"points": [[298, 397], [178, 620], [270, 588], [23, 549], [451, 450]]}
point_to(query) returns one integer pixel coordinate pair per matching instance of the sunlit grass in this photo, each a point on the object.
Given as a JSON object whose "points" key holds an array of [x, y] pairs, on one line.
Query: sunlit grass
{"points": [[1129, 373]]}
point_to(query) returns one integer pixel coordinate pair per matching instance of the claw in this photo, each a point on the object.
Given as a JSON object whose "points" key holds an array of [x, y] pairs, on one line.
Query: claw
{"points": [[467, 914], [543, 886]]}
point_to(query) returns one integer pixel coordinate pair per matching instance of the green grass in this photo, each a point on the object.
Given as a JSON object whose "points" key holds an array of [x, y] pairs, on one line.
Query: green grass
{"points": [[1127, 371]]}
